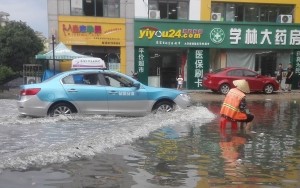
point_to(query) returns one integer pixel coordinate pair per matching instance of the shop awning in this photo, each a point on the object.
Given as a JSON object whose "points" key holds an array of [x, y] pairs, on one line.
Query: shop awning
{"points": [[61, 52]]}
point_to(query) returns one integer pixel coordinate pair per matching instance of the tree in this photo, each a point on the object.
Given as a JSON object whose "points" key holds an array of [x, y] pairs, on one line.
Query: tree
{"points": [[5, 72], [18, 45]]}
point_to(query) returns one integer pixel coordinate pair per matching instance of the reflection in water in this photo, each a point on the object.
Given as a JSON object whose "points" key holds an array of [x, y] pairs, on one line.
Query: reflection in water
{"points": [[266, 156]]}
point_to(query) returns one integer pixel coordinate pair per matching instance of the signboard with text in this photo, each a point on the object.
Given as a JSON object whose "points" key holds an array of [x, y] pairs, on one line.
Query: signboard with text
{"points": [[296, 61], [141, 64], [216, 34], [296, 66], [197, 67], [100, 34]]}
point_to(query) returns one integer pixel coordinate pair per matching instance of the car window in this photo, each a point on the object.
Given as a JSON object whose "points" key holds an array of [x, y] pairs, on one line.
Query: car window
{"points": [[249, 74], [51, 78], [218, 71], [116, 80], [235, 73], [85, 79]]}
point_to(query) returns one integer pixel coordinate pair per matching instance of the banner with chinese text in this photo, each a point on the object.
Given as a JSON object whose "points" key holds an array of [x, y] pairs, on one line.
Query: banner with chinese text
{"points": [[205, 34], [141, 64], [296, 66], [198, 65]]}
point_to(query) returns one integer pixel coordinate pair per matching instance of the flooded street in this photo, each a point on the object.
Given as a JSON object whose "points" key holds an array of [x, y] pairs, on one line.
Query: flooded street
{"points": [[267, 156], [182, 149]]}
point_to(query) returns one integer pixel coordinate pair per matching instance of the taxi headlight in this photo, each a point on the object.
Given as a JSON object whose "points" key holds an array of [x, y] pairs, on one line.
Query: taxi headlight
{"points": [[186, 96]]}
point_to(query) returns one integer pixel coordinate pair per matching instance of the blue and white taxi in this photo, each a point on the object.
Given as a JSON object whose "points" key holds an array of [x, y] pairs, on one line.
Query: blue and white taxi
{"points": [[96, 91]]}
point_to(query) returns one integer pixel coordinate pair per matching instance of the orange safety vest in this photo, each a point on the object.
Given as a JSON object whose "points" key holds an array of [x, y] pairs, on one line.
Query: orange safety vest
{"points": [[231, 105]]}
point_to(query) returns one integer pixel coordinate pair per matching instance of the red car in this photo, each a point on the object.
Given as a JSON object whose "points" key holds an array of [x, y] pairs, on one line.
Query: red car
{"points": [[221, 80]]}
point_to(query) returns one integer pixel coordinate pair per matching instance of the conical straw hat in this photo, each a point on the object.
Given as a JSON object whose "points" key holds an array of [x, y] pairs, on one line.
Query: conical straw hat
{"points": [[242, 85]]}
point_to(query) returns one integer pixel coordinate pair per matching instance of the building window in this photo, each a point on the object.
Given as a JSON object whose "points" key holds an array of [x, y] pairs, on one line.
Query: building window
{"points": [[183, 9], [173, 9], [218, 8], [230, 12], [272, 13], [286, 9], [244, 12], [251, 13], [76, 7], [99, 8], [264, 12]]}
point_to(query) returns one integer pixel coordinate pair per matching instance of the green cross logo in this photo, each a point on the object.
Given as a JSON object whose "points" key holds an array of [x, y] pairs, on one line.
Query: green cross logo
{"points": [[217, 35]]}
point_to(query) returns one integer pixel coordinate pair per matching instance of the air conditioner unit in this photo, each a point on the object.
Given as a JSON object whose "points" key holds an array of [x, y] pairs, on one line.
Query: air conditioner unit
{"points": [[154, 14], [283, 18], [215, 16], [32, 80]]}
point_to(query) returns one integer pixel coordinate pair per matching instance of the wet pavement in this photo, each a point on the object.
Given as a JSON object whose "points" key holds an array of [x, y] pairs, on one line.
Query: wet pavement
{"points": [[184, 149]]}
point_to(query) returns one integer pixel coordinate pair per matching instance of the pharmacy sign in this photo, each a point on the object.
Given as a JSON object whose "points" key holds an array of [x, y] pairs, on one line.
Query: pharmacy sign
{"points": [[203, 34]]}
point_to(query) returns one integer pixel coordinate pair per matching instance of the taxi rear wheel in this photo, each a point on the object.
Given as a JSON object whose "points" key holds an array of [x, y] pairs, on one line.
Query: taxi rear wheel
{"points": [[163, 107], [61, 109]]}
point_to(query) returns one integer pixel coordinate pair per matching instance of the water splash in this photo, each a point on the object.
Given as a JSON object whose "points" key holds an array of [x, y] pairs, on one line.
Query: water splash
{"points": [[28, 141]]}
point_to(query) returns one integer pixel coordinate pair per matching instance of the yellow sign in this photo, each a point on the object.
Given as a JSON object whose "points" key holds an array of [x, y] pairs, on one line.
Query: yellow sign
{"points": [[100, 34]]}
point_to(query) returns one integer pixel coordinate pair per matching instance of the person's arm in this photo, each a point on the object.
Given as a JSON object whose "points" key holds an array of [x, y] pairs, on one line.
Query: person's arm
{"points": [[243, 105], [292, 72], [282, 73]]}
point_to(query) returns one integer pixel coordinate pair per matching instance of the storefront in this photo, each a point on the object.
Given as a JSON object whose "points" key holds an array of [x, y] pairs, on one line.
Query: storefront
{"points": [[166, 48], [96, 37]]}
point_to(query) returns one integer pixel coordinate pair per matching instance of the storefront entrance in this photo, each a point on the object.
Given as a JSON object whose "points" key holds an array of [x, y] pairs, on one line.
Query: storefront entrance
{"points": [[266, 63], [165, 65]]}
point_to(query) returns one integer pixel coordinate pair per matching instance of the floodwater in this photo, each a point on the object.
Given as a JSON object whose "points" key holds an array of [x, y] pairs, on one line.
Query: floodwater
{"points": [[182, 149], [266, 156]]}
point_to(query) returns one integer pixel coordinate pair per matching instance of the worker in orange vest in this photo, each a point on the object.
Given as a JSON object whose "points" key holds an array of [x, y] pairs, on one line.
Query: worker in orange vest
{"points": [[234, 105]]}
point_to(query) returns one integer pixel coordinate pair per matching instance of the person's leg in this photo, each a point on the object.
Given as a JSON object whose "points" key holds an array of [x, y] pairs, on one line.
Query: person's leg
{"points": [[288, 84], [248, 121], [280, 88], [249, 125]]}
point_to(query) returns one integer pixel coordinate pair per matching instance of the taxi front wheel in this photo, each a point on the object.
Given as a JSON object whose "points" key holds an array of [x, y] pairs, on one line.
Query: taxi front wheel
{"points": [[163, 107]]}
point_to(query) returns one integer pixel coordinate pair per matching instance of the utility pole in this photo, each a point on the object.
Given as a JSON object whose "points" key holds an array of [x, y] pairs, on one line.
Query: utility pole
{"points": [[53, 40]]}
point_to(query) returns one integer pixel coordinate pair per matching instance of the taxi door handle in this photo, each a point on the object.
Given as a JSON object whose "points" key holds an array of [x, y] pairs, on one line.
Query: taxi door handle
{"points": [[72, 90], [112, 92]]}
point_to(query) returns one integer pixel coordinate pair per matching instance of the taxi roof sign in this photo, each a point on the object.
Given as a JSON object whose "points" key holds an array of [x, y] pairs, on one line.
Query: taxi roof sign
{"points": [[88, 63]]}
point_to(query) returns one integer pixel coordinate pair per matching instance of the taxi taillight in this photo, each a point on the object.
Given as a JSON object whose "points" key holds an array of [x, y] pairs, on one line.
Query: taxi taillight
{"points": [[31, 91]]}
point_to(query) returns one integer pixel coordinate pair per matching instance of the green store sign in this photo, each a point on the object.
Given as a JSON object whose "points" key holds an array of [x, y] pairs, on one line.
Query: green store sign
{"points": [[197, 67], [200, 34]]}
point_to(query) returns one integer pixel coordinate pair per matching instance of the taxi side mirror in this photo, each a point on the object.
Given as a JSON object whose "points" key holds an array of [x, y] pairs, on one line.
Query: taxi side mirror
{"points": [[137, 85]]}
